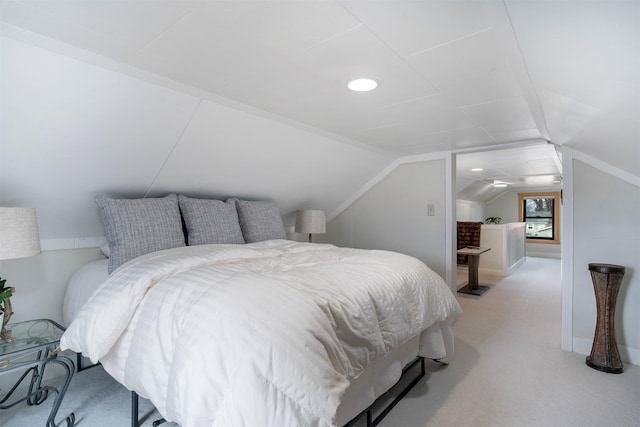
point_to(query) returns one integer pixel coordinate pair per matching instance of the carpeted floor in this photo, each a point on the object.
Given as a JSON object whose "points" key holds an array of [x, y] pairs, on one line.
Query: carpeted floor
{"points": [[509, 371]]}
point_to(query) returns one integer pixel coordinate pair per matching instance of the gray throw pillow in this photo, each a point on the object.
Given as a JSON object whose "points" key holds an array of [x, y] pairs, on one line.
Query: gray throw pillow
{"points": [[137, 227], [260, 221], [210, 221]]}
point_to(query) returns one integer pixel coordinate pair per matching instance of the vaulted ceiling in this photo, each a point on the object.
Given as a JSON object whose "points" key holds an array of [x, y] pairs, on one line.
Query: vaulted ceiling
{"points": [[453, 74]]}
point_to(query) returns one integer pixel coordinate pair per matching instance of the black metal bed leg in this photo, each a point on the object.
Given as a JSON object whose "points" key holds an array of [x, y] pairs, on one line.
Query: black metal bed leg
{"points": [[134, 410], [80, 366], [135, 421]]}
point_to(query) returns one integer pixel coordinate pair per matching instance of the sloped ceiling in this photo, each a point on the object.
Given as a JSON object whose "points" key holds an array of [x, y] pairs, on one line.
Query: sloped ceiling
{"points": [[71, 130], [453, 75]]}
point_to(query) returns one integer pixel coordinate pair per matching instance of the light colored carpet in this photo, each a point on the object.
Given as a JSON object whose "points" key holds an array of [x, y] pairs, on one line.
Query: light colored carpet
{"points": [[509, 371]]}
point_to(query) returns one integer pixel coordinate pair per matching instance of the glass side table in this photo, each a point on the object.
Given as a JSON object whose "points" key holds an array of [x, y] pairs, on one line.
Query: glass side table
{"points": [[35, 347]]}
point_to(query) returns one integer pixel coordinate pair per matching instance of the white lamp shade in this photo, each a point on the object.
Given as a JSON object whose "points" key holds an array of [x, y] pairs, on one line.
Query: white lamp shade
{"points": [[311, 222], [19, 236]]}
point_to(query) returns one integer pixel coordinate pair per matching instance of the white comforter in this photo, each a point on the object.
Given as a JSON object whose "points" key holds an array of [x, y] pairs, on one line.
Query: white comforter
{"points": [[269, 333]]}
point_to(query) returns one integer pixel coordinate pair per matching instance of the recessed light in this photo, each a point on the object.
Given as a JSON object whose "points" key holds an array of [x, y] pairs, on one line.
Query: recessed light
{"points": [[477, 170], [362, 84]]}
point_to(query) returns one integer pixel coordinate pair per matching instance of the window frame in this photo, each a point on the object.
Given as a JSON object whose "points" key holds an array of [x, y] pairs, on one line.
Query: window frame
{"points": [[557, 200]]}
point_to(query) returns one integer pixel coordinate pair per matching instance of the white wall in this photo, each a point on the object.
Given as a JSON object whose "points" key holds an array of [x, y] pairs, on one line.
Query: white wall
{"points": [[392, 215], [71, 130], [506, 207], [467, 210], [507, 243], [606, 229], [40, 281]]}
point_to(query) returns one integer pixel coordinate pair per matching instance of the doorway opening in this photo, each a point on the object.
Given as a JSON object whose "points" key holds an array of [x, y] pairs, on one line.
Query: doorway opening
{"points": [[489, 187]]}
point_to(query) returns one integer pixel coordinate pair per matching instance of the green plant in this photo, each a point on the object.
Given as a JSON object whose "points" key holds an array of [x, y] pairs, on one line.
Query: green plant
{"points": [[493, 220], [5, 292]]}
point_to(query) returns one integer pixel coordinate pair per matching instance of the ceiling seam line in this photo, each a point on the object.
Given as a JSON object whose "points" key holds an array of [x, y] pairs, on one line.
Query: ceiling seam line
{"points": [[175, 145], [526, 68], [419, 98], [418, 73], [391, 49], [55, 17], [342, 33], [501, 146], [167, 29], [140, 50], [420, 52]]}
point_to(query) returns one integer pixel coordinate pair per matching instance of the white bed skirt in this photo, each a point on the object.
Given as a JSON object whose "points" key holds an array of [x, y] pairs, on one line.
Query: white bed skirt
{"points": [[435, 342]]}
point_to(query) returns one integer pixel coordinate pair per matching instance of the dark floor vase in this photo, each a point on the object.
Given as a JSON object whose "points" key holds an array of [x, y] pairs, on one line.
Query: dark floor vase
{"points": [[606, 284]]}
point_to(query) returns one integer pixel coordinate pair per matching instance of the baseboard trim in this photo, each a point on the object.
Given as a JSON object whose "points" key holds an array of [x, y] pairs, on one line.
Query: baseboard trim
{"points": [[517, 264], [72, 243], [627, 354], [553, 255]]}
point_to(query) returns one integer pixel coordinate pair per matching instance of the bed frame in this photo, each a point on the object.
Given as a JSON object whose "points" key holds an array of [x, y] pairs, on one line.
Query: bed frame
{"points": [[368, 412]]}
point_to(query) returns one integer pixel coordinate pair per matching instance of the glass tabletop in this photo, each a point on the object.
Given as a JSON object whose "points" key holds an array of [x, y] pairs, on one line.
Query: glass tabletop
{"points": [[31, 334]]}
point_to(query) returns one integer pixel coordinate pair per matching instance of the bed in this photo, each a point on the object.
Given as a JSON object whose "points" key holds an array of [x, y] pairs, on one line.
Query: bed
{"points": [[216, 331]]}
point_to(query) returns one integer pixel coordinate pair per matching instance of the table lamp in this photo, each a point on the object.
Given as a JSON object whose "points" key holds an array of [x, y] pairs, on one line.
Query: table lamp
{"points": [[19, 238], [311, 222]]}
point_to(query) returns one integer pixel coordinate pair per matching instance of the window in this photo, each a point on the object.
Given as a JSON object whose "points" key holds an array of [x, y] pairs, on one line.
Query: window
{"points": [[541, 213]]}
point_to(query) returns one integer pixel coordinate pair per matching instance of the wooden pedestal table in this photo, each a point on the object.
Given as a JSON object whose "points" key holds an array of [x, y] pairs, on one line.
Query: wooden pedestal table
{"points": [[473, 287], [606, 284]]}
